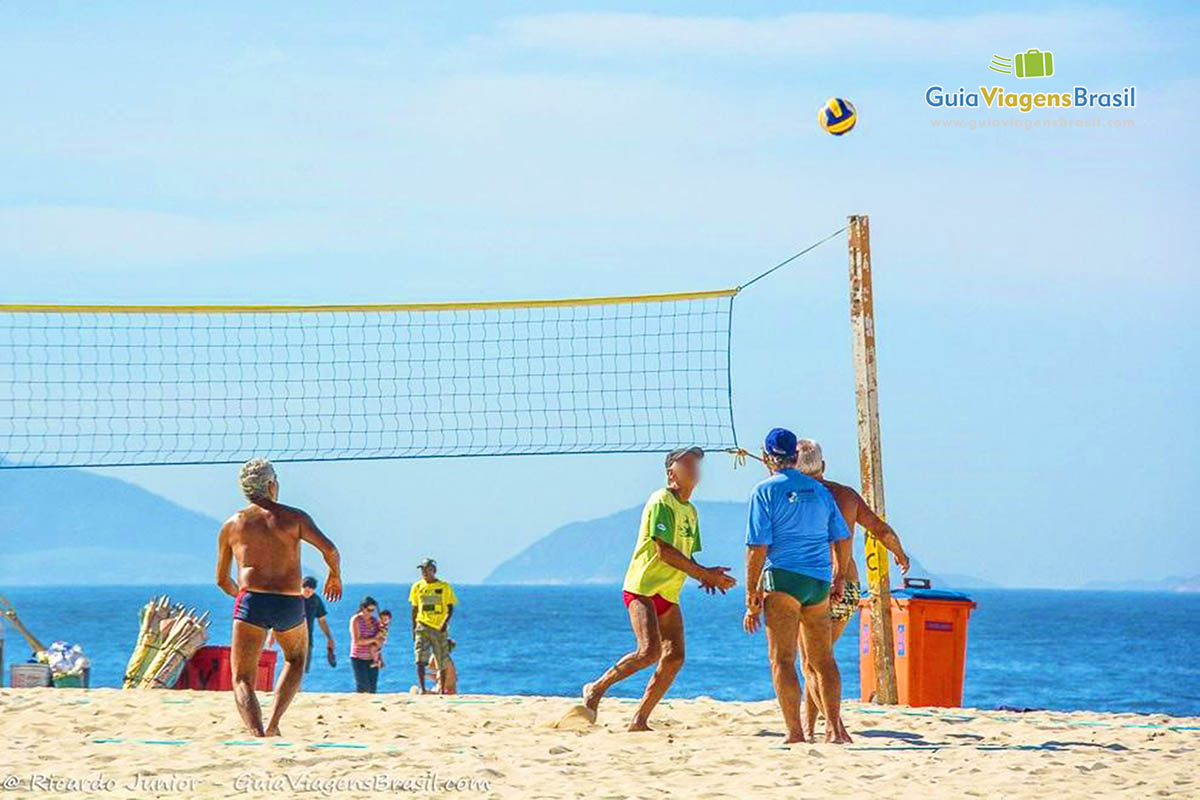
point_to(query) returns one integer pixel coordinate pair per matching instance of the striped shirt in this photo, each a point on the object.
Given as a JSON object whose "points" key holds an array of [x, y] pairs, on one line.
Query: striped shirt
{"points": [[366, 627]]}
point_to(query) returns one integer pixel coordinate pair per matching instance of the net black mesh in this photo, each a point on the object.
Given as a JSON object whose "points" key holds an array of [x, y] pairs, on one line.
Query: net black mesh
{"points": [[103, 389]]}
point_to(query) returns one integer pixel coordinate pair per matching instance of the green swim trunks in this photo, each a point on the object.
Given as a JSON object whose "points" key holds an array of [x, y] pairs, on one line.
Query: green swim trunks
{"points": [[808, 591]]}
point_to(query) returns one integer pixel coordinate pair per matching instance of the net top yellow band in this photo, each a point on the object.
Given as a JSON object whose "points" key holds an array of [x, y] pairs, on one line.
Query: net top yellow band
{"points": [[366, 308]]}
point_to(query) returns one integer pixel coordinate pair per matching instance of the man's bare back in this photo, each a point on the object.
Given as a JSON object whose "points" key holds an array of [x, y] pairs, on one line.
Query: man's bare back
{"points": [[264, 538], [848, 502], [855, 510]]}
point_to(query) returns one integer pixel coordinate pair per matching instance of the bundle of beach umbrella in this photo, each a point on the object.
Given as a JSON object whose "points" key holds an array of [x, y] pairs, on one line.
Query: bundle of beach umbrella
{"points": [[170, 635]]}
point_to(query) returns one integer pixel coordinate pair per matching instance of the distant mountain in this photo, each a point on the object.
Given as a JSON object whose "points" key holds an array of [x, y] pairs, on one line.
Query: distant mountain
{"points": [[68, 526], [597, 550], [1174, 583], [950, 580]]}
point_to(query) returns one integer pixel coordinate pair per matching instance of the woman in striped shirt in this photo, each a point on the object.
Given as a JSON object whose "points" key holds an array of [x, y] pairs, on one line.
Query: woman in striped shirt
{"points": [[365, 633]]}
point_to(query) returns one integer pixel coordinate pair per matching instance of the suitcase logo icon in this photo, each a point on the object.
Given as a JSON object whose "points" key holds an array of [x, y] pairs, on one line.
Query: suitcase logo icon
{"points": [[1033, 63]]}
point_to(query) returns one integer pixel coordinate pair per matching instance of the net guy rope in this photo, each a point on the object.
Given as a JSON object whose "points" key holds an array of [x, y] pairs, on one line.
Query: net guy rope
{"points": [[122, 385]]}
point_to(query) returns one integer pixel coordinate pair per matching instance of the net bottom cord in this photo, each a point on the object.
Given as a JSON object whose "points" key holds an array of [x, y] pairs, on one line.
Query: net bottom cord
{"points": [[234, 743], [1046, 746], [1031, 720]]}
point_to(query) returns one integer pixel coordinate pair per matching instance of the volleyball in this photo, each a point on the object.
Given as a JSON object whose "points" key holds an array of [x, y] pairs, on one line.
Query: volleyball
{"points": [[837, 116]]}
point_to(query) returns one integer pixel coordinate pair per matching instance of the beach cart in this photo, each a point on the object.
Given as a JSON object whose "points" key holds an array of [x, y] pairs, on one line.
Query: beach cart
{"points": [[61, 664]]}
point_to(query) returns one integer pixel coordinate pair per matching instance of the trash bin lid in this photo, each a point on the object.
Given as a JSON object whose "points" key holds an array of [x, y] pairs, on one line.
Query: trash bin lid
{"points": [[917, 593]]}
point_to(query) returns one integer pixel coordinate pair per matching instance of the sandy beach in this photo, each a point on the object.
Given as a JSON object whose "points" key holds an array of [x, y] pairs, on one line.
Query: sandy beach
{"points": [[109, 743]]}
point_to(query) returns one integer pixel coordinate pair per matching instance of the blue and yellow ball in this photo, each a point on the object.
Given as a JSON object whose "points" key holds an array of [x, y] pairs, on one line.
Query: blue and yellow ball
{"points": [[837, 116]]}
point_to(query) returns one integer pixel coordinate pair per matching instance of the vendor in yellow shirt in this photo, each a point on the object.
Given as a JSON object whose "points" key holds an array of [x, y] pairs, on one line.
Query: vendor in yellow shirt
{"points": [[662, 560], [432, 602]]}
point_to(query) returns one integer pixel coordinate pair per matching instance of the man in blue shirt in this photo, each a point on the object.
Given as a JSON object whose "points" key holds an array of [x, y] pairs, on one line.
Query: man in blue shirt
{"points": [[790, 575]]}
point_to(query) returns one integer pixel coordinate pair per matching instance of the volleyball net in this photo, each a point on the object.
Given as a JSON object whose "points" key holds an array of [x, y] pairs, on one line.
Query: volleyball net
{"points": [[100, 385], [90, 386]]}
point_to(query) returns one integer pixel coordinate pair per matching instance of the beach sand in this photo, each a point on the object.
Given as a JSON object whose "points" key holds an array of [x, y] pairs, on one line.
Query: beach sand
{"points": [[109, 743]]}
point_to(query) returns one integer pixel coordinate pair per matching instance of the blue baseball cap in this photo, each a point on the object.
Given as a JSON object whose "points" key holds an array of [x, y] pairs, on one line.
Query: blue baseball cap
{"points": [[780, 442]]}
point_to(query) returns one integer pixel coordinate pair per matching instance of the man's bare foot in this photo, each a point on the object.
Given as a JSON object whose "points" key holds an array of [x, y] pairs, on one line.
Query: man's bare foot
{"points": [[837, 737], [800, 739], [639, 726], [273, 731], [590, 698]]}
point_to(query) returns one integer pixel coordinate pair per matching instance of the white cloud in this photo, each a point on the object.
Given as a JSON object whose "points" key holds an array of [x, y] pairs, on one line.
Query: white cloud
{"points": [[94, 235], [822, 37]]}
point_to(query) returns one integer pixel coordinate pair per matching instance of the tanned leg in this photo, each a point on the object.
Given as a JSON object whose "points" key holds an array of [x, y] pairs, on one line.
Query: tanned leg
{"points": [[649, 647], [670, 627], [839, 627], [816, 631], [247, 644], [812, 707], [812, 701], [294, 644], [782, 621]]}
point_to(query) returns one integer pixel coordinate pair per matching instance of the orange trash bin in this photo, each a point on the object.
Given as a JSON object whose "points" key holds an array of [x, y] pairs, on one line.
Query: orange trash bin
{"points": [[929, 635]]}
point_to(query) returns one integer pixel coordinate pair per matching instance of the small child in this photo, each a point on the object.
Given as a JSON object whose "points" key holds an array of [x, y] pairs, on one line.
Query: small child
{"points": [[447, 675], [385, 621]]}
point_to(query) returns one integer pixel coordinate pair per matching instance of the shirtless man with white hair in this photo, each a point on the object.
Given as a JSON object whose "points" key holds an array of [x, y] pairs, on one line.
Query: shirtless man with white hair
{"points": [[811, 461], [265, 539]]}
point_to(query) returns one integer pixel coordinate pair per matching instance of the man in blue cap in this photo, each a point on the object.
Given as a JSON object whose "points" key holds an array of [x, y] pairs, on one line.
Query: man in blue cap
{"points": [[790, 575]]}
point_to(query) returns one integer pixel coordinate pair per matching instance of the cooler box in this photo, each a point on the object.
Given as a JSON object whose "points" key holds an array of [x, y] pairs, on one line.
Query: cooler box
{"points": [[27, 676], [929, 631], [208, 670], [77, 681]]}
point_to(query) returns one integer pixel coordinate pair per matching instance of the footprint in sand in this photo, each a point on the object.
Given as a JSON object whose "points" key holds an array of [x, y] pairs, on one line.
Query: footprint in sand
{"points": [[579, 718]]}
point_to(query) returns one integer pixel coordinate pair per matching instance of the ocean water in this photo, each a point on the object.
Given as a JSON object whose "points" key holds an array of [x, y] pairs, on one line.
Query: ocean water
{"points": [[1103, 651]]}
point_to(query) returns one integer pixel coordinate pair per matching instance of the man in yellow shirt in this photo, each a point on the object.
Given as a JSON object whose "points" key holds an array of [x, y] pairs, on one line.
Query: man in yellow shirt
{"points": [[432, 602], [662, 560]]}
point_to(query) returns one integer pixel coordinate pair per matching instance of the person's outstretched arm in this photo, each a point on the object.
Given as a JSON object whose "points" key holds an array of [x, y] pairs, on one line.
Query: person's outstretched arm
{"points": [[309, 532], [328, 634], [756, 556], [717, 577], [883, 532], [760, 533]]}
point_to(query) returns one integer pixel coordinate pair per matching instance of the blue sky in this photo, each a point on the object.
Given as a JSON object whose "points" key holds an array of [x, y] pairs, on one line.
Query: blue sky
{"points": [[1035, 289]]}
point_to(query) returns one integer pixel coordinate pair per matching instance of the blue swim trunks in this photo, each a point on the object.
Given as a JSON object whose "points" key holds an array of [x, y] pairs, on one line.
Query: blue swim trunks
{"points": [[279, 612]]}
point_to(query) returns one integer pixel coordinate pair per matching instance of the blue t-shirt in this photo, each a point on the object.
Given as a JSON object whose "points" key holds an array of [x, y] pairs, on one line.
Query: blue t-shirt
{"points": [[796, 518]]}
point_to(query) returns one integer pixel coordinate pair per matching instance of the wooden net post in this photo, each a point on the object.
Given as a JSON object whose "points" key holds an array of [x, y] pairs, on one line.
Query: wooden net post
{"points": [[862, 323]]}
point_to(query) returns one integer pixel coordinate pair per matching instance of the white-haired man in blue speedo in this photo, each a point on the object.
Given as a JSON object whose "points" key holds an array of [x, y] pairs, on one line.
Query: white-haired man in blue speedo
{"points": [[791, 575]]}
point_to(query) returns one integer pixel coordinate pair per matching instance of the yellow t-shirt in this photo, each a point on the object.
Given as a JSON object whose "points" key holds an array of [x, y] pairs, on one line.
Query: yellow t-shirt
{"points": [[432, 601], [668, 518]]}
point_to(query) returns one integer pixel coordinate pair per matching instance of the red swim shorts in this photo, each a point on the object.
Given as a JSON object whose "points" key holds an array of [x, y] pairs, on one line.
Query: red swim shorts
{"points": [[661, 604]]}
